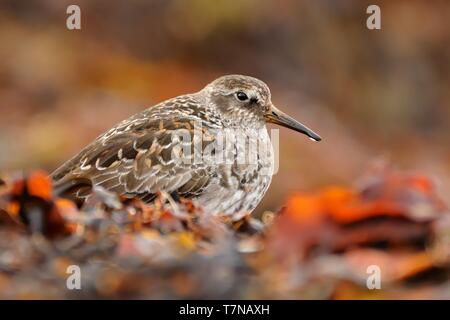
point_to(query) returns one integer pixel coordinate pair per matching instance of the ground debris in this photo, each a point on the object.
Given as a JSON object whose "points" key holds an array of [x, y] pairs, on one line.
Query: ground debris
{"points": [[123, 247], [327, 244], [321, 245]]}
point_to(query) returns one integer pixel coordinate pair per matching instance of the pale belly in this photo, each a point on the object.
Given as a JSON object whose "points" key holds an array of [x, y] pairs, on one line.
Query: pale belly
{"points": [[240, 186]]}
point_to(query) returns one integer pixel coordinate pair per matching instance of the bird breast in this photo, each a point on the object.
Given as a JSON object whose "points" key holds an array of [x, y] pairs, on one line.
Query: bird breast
{"points": [[244, 174]]}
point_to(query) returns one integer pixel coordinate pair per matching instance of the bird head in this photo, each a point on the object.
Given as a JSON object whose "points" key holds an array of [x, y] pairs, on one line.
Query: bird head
{"points": [[247, 100]]}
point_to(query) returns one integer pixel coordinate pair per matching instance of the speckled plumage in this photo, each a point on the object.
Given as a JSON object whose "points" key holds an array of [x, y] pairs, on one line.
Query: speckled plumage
{"points": [[135, 158]]}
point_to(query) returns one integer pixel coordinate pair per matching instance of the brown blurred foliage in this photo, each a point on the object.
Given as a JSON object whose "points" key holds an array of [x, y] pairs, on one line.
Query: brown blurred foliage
{"points": [[368, 93], [320, 246], [326, 242]]}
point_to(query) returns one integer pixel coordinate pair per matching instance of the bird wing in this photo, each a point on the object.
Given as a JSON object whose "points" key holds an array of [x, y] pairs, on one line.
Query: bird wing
{"points": [[140, 157]]}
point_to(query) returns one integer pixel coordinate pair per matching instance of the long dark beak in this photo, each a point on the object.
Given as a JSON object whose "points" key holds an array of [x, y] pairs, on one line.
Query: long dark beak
{"points": [[278, 117]]}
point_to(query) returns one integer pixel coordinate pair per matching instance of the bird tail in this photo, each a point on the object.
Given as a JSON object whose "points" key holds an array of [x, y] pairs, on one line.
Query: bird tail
{"points": [[75, 189]]}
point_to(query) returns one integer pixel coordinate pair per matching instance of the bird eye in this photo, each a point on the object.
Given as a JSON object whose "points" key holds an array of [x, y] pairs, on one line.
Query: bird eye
{"points": [[241, 96]]}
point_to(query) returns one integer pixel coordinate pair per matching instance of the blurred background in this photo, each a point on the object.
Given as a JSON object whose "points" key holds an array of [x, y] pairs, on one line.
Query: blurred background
{"points": [[371, 94]]}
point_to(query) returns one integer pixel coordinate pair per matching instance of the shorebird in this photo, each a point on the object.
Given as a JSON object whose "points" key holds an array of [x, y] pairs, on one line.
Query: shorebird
{"points": [[136, 158]]}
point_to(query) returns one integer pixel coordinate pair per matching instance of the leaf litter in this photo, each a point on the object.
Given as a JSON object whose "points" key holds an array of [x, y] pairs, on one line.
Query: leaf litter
{"points": [[318, 246]]}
